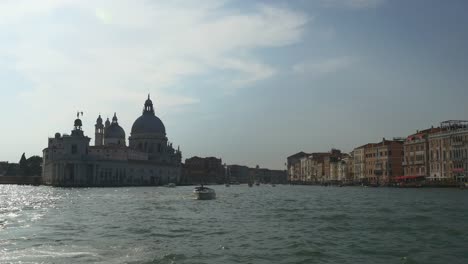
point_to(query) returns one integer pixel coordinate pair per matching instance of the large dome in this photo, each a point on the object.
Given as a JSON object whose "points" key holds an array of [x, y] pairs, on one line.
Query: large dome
{"points": [[114, 131], [148, 123]]}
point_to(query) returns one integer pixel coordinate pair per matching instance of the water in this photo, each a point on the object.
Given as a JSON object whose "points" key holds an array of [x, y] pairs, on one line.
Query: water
{"points": [[284, 224]]}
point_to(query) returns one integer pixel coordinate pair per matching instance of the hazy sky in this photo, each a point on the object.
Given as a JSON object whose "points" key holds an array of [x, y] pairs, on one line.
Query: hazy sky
{"points": [[249, 81]]}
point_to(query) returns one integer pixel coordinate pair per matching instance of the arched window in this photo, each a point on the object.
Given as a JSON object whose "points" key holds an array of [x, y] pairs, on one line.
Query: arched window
{"points": [[159, 148]]}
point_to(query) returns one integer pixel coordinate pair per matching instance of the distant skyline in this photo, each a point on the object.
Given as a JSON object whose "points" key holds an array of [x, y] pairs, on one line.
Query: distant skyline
{"points": [[251, 82]]}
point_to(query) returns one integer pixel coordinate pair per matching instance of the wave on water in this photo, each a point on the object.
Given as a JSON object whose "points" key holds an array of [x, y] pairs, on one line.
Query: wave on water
{"points": [[290, 224]]}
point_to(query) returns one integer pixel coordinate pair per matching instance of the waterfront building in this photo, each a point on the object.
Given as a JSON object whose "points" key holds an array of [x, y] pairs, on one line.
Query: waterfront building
{"points": [[319, 172], [416, 154], [340, 171], [448, 152], [330, 169], [383, 161], [333, 175], [305, 176], [239, 173], [316, 167], [294, 167], [277, 176], [264, 175], [150, 158], [208, 170], [313, 168], [359, 162], [345, 169], [350, 167]]}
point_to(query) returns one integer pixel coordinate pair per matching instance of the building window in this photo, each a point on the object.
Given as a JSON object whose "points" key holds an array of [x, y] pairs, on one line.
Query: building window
{"points": [[74, 149]]}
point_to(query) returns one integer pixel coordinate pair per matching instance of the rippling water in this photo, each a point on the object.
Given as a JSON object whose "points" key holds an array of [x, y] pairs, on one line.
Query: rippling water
{"points": [[284, 224]]}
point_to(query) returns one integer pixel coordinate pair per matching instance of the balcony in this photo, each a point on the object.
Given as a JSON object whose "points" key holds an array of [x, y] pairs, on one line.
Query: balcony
{"points": [[459, 159], [457, 143]]}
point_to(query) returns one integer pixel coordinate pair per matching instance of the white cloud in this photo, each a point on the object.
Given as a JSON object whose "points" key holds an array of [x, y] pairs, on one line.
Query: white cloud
{"points": [[316, 68], [106, 46], [353, 4], [105, 56]]}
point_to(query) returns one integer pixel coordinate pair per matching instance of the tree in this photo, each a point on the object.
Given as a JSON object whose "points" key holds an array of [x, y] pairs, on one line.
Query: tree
{"points": [[34, 164], [23, 164], [31, 166]]}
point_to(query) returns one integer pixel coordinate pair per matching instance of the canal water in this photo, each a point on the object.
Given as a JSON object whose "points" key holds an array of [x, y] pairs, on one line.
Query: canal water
{"points": [[264, 224]]}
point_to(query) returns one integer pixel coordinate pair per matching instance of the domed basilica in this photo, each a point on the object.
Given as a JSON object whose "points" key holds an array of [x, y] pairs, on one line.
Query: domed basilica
{"points": [[148, 160]]}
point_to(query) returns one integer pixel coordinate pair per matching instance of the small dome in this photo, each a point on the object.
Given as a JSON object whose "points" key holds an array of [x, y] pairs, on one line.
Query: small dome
{"points": [[107, 122], [99, 120], [57, 135], [114, 131], [78, 123]]}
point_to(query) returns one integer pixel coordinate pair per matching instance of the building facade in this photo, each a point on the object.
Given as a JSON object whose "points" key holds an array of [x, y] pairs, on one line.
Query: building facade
{"points": [[384, 161], [416, 153], [359, 162], [295, 169], [149, 160], [239, 174], [448, 152], [208, 170]]}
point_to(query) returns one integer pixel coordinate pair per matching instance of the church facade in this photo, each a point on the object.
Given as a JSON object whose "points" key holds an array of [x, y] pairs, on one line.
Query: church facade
{"points": [[148, 159]]}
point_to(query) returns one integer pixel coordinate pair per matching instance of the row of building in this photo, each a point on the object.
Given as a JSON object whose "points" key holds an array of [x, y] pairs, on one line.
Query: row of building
{"points": [[145, 158], [433, 156], [211, 170]]}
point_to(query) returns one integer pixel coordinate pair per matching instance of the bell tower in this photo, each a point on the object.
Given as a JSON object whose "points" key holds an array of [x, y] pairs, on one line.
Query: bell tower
{"points": [[99, 132]]}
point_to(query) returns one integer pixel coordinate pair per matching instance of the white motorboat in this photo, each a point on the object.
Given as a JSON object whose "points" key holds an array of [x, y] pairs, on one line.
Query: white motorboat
{"points": [[204, 193]]}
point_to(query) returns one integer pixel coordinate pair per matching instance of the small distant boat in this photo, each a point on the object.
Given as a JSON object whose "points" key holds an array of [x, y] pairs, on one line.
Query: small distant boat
{"points": [[204, 193], [273, 185], [250, 184], [257, 183], [171, 185], [227, 185]]}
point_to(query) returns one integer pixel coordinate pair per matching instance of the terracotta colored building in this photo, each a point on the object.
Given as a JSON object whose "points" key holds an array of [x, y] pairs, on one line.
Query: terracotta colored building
{"points": [[416, 153], [383, 161]]}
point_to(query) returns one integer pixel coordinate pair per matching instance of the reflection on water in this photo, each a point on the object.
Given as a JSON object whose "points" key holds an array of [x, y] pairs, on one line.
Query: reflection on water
{"points": [[285, 224]]}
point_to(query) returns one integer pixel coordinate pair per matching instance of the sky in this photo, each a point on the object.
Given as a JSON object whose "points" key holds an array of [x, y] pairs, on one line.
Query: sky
{"points": [[251, 82]]}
